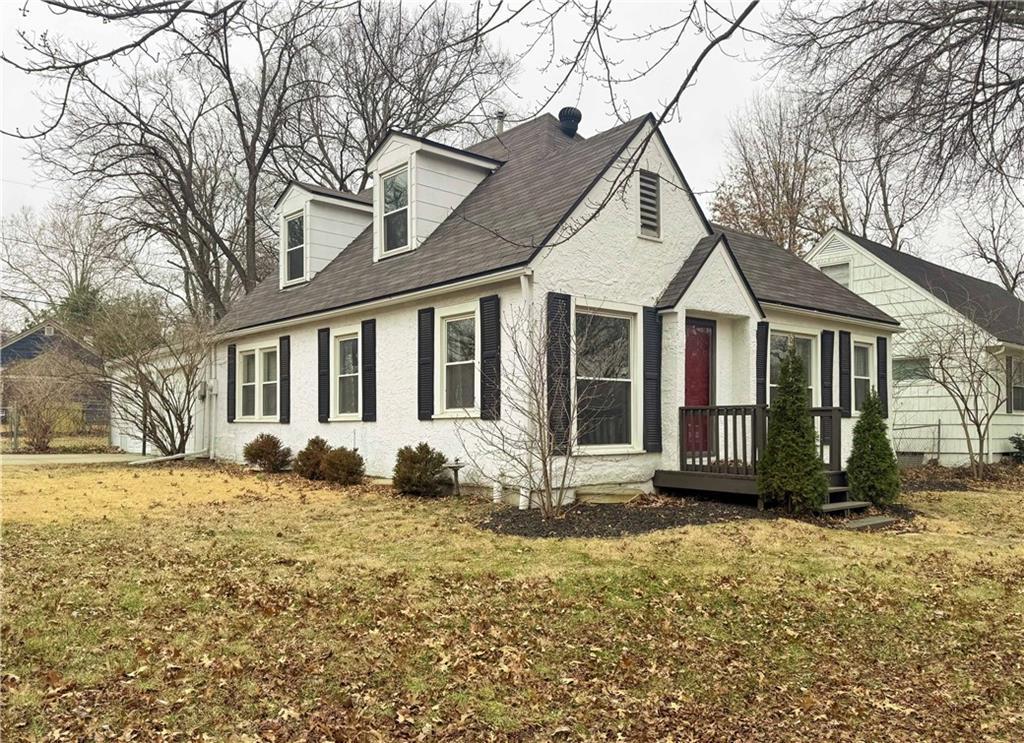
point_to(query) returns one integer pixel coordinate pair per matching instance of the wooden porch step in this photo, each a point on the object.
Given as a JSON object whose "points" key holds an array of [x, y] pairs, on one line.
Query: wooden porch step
{"points": [[607, 494], [845, 505], [870, 522]]}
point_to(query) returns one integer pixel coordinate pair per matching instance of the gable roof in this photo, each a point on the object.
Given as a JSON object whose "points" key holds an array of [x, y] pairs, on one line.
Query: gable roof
{"points": [[364, 197], [691, 268], [775, 276], [470, 153], [500, 225], [989, 305], [33, 341]]}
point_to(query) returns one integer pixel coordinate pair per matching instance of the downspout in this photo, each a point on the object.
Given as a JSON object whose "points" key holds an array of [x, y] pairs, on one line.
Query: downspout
{"points": [[526, 288]]}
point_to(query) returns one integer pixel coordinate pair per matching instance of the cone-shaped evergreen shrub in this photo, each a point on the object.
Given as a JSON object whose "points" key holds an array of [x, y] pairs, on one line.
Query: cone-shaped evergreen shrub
{"points": [[871, 468], [790, 470]]}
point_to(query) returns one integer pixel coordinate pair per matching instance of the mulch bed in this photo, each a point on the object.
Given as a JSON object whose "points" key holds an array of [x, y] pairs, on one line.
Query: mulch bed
{"points": [[935, 479], [653, 513]]}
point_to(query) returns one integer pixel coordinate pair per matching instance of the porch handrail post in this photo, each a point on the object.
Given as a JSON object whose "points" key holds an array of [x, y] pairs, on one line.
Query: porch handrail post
{"points": [[835, 447]]}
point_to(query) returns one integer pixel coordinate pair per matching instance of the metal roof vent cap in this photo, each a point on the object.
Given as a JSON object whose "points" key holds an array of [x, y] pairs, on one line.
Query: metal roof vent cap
{"points": [[569, 119]]}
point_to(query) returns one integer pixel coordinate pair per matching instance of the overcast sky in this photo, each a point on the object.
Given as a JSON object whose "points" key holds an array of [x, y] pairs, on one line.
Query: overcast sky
{"points": [[726, 80]]}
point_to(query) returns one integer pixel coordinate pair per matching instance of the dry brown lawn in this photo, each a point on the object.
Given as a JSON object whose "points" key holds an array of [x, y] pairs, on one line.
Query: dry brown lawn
{"points": [[198, 601]]}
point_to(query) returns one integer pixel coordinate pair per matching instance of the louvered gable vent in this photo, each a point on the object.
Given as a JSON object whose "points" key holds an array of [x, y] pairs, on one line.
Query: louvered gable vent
{"points": [[650, 217]]}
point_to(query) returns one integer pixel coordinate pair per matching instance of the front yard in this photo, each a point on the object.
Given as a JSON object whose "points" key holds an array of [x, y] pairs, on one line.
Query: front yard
{"points": [[192, 600]]}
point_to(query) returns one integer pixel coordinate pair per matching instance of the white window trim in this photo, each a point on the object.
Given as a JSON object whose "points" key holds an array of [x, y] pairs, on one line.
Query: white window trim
{"points": [[304, 213], [915, 380], [337, 335], [632, 312], [1018, 371], [452, 312], [872, 371], [639, 217], [258, 349], [815, 381], [379, 252], [849, 270]]}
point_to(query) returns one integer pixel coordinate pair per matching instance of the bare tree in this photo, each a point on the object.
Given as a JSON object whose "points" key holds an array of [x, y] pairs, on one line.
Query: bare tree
{"points": [[388, 67], [59, 263], [992, 224], [545, 418], [946, 76], [47, 400], [154, 369], [960, 363], [776, 183]]}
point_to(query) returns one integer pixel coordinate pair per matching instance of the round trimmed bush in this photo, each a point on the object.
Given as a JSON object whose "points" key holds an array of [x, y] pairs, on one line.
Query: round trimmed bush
{"points": [[420, 471], [343, 466], [267, 452], [308, 461]]}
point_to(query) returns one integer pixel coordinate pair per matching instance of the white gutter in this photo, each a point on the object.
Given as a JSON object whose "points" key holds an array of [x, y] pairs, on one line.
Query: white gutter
{"points": [[819, 314], [393, 300]]}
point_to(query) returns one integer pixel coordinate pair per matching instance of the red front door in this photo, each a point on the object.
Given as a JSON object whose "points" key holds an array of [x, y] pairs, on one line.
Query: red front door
{"points": [[700, 345]]}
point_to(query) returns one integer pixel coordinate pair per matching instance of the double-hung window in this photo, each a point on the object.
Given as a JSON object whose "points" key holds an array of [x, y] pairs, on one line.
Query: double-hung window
{"points": [[780, 344], [295, 248], [395, 198], [346, 366], [458, 352], [911, 368], [604, 379], [1017, 384], [258, 382], [861, 374]]}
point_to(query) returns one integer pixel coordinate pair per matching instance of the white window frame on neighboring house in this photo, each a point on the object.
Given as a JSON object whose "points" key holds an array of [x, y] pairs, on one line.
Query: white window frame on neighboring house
{"points": [[630, 313], [843, 264], [444, 315], [286, 250], [259, 351], [909, 363], [656, 177], [782, 331], [338, 335], [1016, 391], [870, 378], [383, 251]]}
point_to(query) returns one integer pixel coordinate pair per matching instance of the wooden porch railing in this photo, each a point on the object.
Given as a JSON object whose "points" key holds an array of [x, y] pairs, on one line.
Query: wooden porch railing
{"points": [[730, 439]]}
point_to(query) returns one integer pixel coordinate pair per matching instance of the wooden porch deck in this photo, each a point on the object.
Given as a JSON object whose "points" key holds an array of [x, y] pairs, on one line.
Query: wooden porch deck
{"points": [[720, 449]]}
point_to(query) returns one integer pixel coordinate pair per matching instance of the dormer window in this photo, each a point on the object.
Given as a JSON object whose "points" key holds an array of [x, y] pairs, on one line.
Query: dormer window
{"points": [[395, 187], [295, 248]]}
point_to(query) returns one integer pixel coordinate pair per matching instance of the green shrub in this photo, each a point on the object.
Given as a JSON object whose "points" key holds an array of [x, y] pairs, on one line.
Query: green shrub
{"points": [[871, 469], [420, 471], [790, 470], [267, 452], [343, 466], [1018, 443], [307, 462]]}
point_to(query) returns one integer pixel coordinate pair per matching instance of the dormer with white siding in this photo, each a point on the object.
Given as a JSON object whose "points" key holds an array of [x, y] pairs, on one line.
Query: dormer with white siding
{"points": [[420, 183], [315, 225]]}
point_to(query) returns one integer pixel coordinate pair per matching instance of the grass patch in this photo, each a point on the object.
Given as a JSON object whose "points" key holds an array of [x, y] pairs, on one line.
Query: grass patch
{"points": [[201, 600]]}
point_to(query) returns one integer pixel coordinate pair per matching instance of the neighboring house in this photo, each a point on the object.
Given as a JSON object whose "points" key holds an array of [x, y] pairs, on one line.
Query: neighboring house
{"points": [[390, 315], [926, 298], [52, 336]]}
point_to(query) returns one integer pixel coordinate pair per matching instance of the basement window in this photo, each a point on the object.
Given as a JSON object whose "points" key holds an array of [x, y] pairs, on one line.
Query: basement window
{"points": [[650, 204]]}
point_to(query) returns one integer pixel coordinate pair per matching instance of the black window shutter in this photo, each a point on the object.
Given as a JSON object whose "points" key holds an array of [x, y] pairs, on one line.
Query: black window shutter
{"points": [[882, 357], [558, 363], [845, 391], [284, 358], [1009, 384], [828, 342], [425, 365], [490, 358], [231, 383], [323, 374], [761, 363], [368, 364], [652, 380]]}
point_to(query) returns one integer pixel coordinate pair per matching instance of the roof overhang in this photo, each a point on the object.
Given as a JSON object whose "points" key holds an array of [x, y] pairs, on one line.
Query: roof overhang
{"points": [[333, 198], [437, 148], [893, 327]]}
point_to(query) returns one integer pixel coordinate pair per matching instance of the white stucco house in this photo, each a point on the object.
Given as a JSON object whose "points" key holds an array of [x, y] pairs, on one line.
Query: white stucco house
{"points": [[388, 321], [938, 308]]}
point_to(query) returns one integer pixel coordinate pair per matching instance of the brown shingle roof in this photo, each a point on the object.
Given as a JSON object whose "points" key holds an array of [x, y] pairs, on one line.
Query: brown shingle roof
{"points": [[775, 276], [500, 225], [989, 305]]}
